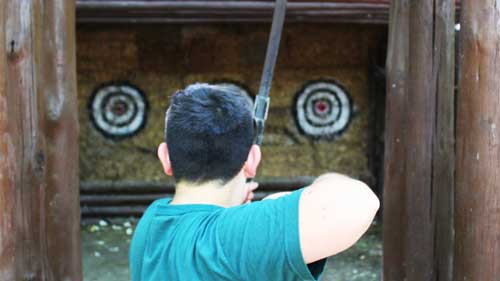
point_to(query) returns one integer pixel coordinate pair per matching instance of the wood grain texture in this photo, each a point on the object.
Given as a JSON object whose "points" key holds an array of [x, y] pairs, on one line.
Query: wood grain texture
{"points": [[394, 212], [477, 219], [443, 162], [39, 129], [7, 163], [174, 11], [418, 188], [167, 11], [420, 113]]}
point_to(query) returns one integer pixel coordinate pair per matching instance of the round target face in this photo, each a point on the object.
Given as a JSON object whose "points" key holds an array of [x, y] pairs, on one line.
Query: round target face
{"points": [[118, 110], [322, 109], [234, 87]]}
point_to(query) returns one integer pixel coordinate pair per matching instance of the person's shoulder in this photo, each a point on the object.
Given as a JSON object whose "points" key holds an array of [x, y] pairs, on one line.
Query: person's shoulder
{"points": [[161, 201], [158, 202], [269, 207], [151, 211]]}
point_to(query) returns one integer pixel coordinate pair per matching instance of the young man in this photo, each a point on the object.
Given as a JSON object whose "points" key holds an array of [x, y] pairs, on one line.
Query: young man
{"points": [[208, 232]]}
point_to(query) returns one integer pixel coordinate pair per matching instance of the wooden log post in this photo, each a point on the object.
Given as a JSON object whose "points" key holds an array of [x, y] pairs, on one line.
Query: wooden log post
{"points": [[39, 194], [419, 149], [477, 220]]}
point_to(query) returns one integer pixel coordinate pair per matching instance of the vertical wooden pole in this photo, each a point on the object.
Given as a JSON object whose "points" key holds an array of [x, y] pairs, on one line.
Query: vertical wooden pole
{"points": [[419, 141], [394, 196], [39, 210], [7, 195], [62, 202], [477, 220], [443, 162]]}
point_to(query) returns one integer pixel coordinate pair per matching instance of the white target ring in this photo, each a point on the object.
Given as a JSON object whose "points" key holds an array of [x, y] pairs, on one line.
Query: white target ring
{"points": [[322, 109], [233, 87], [118, 110]]}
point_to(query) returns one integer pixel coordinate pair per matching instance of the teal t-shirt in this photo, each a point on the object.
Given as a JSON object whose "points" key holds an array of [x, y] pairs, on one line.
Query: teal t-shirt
{"points": [[257, 241]]}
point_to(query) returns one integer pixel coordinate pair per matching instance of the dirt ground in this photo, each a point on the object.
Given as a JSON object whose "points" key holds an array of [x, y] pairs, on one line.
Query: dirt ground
{"points": [[105, 245]]}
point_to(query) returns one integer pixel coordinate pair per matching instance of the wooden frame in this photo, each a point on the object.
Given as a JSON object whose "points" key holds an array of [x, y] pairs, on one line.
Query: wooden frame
{"points": [[39, 224], [171, 11]]}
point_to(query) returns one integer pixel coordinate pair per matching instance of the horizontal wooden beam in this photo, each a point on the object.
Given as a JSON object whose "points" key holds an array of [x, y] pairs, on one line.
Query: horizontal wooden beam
{"points": [[225, 5], [134, 199], [112, 11], [137, 187], [124, 205], [120, 199], [112, 211], [130, 198]]}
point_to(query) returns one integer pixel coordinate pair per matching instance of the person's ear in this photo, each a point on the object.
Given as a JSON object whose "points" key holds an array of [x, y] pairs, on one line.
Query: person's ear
{"points": [[253, 160], [165, 158]]}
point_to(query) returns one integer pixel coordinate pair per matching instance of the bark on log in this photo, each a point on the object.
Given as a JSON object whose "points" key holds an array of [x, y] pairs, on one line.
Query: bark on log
{"points": [[477, 220], [419, 141], [39, 225]]}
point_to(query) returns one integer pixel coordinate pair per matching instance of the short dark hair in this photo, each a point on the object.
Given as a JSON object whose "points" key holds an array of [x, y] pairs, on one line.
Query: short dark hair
{"points": [[209, 133]]}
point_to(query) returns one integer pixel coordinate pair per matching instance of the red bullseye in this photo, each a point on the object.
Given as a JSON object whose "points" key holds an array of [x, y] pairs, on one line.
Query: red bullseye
{"points": [[321, 107]]}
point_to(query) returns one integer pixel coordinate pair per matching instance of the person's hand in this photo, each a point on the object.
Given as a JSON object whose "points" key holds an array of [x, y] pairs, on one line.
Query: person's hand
{"points": [[249, 189]]}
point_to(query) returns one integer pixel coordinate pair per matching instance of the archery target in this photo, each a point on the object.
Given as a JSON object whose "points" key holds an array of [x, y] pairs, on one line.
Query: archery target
{"points": [[233, 87], [322, 109], [118, 110]]}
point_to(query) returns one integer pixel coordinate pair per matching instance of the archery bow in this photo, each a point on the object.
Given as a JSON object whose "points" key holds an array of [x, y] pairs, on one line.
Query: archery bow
{"points": [[261, 107]]}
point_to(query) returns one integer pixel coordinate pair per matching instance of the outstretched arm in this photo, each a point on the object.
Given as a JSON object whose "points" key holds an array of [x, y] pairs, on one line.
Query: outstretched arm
{"points": [[334, 212]]}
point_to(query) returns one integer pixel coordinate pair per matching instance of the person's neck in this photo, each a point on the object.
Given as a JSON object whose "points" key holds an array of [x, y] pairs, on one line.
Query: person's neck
{"points": [[211, 193]]}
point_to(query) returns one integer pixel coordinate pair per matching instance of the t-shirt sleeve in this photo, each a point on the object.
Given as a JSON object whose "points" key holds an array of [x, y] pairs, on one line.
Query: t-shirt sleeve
{"points": [[261, 240]]}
